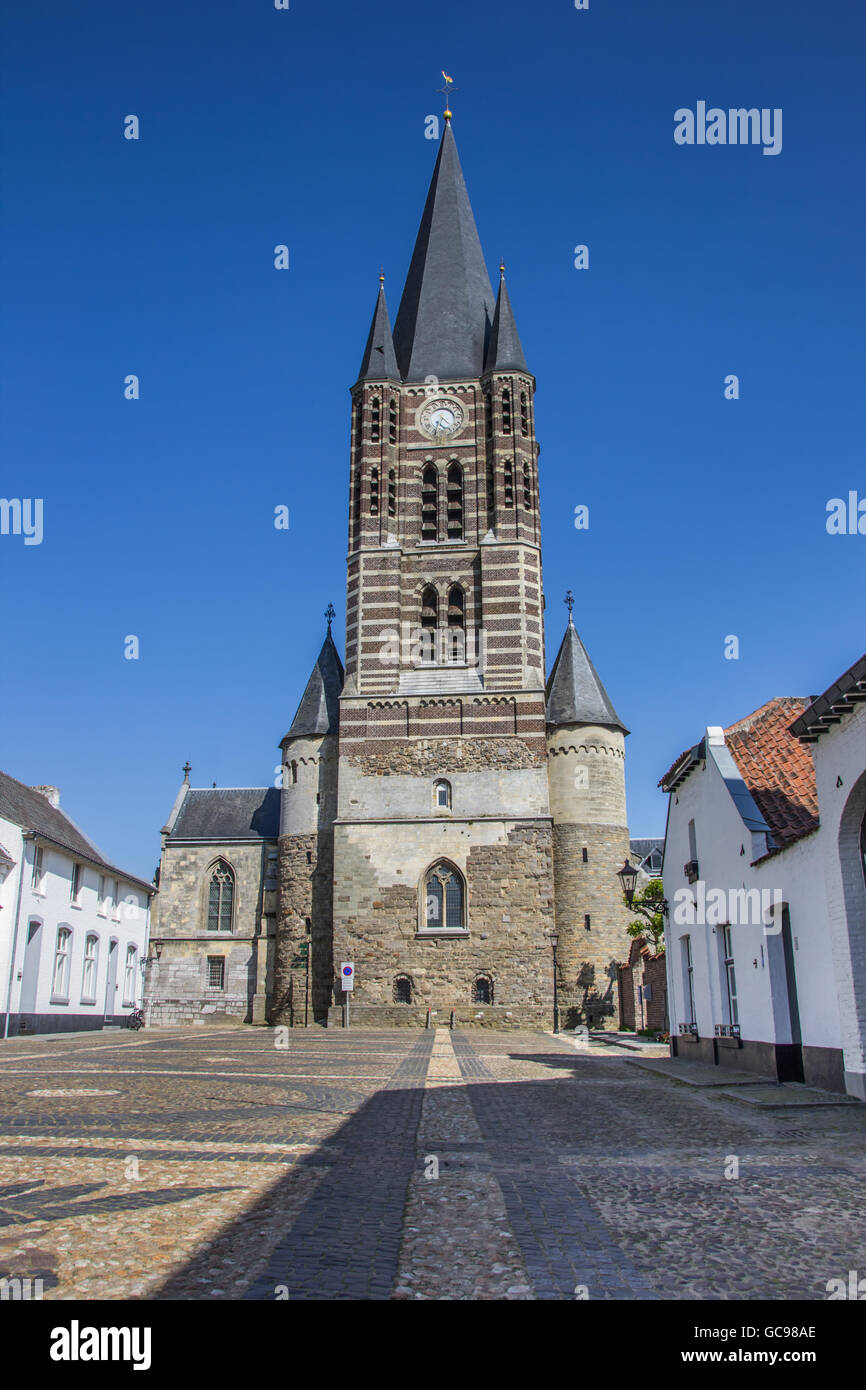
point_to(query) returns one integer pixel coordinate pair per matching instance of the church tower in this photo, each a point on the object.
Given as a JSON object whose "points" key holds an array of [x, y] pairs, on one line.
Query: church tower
{"points": [[443, 841]]}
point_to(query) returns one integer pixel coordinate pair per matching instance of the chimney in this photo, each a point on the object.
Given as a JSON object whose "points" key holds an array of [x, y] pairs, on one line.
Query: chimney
{"points": [[51, 794]]}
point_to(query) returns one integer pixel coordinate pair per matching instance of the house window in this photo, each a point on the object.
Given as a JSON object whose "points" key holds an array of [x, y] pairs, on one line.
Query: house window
{"points": [[688, 978], [220, 898], [115, 900], [402, 990], [75, 884], [482, 990], [216, 972], [454, 491], [36, 878], [88, 976], [442, 792], [60, 978], [443, 909], [730, 975], [129, 976], [430, 505], [100, 899]]}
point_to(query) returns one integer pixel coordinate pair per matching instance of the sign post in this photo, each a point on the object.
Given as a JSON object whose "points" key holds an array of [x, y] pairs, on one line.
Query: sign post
{"points": [[347, 975]]}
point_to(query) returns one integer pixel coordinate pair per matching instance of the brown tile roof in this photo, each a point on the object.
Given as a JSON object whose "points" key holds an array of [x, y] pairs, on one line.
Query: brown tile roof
{"points": [[777, 768]]}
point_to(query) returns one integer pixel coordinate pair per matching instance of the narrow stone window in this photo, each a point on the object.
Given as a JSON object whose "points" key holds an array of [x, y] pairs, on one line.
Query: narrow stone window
{"points": [[294, 772], [509, 484], [442, 794], [524, 414], [454, 492], [392, 422], [585, 855], [586, 921], [482, 990], [430, 505], [488, 413], [444, 898], [216, 972], [374, 420], [506, 411], [309, 856], [220, 898], [392, 493], [402, 990], [374, 491], [491, 495], [456, 639], [527, 487]]}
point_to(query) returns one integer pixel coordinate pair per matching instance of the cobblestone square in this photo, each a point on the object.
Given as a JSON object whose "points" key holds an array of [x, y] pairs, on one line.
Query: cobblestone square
{"points": [[209, 1163]]}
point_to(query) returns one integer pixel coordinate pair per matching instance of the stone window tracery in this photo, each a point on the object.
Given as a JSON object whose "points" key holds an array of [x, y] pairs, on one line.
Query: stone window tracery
{"points": [[220, 898], [444, 899]]}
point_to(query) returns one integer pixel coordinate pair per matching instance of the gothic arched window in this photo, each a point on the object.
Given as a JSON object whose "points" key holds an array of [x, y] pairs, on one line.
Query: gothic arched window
{"points": [[527, 487], [392, 422], [430, 505], [455, 502], [509, 483], [482, 990], [443, 898], [221, 898], [374, 419], [374, 491], [506, 411], [456, 648], [402, 989]]}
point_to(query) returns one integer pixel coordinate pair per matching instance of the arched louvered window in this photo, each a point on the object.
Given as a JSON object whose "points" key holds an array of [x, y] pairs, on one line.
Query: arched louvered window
{"points": [[444, 898], [488, 413], [430, 505], [429, 607], [375, 415], [482, 990], [509, 483], [402, 993], [455, 502], [527, 487], [491, 495], [524, 414], [374, 491], [357, 503], [392, 492], [392, 422], [221, 898], [456, 648], [506, 411]]}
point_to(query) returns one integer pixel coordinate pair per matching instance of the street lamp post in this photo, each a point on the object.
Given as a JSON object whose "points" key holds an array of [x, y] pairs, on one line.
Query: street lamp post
{"points": [[627, 876], [554, 941]]}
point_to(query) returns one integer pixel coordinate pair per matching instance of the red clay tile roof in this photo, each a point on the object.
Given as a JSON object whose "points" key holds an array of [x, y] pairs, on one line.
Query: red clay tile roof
{"points": [[777, 768]]}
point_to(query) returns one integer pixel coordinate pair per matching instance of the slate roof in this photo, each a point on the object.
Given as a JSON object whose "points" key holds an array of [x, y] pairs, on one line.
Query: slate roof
{"points": [[447, 308], [575, 695], [379, 361], [840, 699], [646, 846], [319, 710], [229, 814], [777, 769], [32, 811], [504, 351]]}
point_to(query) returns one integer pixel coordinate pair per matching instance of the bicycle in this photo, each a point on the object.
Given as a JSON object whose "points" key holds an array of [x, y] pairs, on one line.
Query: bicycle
{"points": [[135, 1020]]}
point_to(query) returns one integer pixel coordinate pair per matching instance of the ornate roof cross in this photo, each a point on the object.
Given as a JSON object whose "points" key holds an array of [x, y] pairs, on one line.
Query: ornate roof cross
{"points": [[569, 602], [330, 614], [447, 89]]}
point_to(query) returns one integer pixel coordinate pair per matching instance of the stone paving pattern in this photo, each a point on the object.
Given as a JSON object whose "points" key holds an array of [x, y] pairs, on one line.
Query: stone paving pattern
{"points": [[209, 1163]]}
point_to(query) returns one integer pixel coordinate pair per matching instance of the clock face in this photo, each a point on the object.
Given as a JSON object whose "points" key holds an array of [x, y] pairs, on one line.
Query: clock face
{"points": [[440, 418]]}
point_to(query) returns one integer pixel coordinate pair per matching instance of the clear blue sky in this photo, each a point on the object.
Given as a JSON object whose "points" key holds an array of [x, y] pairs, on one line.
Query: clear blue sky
{"points": [[707, 516]]}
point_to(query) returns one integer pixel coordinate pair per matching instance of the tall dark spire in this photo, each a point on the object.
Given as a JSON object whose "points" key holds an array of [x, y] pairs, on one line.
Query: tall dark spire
{"points": [[504, 351], [447, 307], [319, 710], [379, 362], [575, 695]]}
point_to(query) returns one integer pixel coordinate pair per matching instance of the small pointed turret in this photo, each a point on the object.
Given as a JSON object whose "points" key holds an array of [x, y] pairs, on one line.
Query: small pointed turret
{"points": [[319, 710], [575, 695], [504, 352], [447, 307], [380, 362]]}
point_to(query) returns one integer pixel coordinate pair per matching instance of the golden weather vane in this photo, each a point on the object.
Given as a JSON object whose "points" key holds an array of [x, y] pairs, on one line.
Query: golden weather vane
{"points": [[447, 89]]}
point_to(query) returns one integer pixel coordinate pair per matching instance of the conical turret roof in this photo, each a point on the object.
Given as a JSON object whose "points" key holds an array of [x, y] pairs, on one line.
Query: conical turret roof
{"points": [[447, 308], [575, 695], [319, 710], [504, 352], [379, 361]]}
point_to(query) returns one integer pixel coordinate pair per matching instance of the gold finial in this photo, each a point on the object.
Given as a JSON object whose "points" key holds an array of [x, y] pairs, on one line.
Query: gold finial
{"points": [[449, 85], [502, 269], [381, 277]]}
